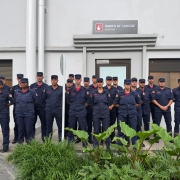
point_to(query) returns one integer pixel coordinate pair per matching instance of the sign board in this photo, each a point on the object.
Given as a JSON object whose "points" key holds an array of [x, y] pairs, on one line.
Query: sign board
{"points": [[115, 27]]}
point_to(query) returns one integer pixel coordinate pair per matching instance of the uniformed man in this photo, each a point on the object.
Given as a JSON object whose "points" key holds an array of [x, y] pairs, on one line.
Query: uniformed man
{"points": [[112, 91], [145, 106], [102, 104], [176, 93], [39, 87], [53, 98], [4, 116], [78, 101], [127, 101], [71, 76], [94, 83], [163, 97], [89, 109], [25, 99], [13, 90], [5, 87], [151, 87]]}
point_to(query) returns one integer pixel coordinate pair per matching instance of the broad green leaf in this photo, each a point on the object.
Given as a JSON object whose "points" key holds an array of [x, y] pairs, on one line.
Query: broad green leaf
{"points": [[164, 135], [137, 144], [152, 141], [99, 136], [80, 134], [105, 155], [177, 141], [129, 132], [178, 149], [145, 134], [171, 152], [156, 127], [123, 141], [87, 150], [120, 148]]}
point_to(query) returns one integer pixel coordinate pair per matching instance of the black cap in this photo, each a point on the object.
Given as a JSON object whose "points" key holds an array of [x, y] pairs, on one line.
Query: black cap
{"points": [[77, 76], [39, 73], [100, 80], [94, 76], [86, 79], [2, 77], [115, 78], [161, 80], [127, 81], [178, 80], [71, 75], [19, 76], [24, 80], [69, 80], [54, 77], [134, 79], [150, 77], [1, 82], [142, 80], [108, 78]]}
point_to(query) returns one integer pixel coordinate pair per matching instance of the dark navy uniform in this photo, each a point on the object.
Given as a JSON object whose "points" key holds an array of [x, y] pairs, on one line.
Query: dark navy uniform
{"points": [[101, 103], [53, 98], [127, 109], [77, 100], [40, 107], [176, 93], [24, 110], [163, 97]]}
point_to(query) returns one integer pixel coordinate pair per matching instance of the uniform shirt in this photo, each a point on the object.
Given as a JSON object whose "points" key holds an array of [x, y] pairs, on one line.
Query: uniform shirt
{"points": [[112, 91], [101, 103], [66, 101], [4, 100], [150, 89], [53, 98], [6, 89], [13, 90], [127, 102], [145, 98], [162, 97], [176, 93], [77, 101], [39, 90], [90, 106], [140, 93], [92, 87], [119, 88], [25, 102]]}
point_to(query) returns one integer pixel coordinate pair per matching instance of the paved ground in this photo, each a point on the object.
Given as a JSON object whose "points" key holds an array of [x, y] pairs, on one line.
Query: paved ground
{"points": [[6, 171]]}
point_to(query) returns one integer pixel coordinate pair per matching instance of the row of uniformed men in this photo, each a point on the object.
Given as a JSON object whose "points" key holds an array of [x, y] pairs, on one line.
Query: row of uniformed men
{"points": [[91, 103]]}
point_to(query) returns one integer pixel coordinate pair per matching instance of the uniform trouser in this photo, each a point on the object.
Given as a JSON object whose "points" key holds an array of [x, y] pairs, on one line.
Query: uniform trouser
{"points": [[105, 125], [112, 120], [167, 117], [146, 121], [66, 123], [177, 122], [153, 112], [4, 121], [89, 121], [139, 123], [42, 117], [25, 126], [129, 120], [15, 126], [73, 124], [50, 119]]}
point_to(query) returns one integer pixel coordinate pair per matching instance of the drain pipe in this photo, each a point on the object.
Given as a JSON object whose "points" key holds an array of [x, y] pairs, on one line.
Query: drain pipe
{"points": [[41, 36]]}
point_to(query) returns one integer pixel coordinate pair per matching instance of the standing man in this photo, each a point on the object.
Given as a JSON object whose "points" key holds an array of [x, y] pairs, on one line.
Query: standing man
{"points": [[78, 101], [71, 76], [176, 93], [39, 108], [13, 90], [4, 116], [112, 91], [127, 101], [151, 87], [89, 109], [94, 83], [162, 98], [53, 97]]}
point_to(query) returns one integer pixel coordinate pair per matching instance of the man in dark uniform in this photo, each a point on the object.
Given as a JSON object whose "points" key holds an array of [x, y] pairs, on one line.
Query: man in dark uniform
{"points": [[112, 91], [163, 97], [89, 109], [102, 104], [13, 90], [5, 87], [151, 87], [71, 76], [176, 93], [4, 116], [78, 101], [94, 83], [39, 108], [127, 101], [53, 97], [145, 106]]}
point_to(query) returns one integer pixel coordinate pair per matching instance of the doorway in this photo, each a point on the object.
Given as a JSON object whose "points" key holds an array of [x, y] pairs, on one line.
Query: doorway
{"points": [[120, 68]]}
